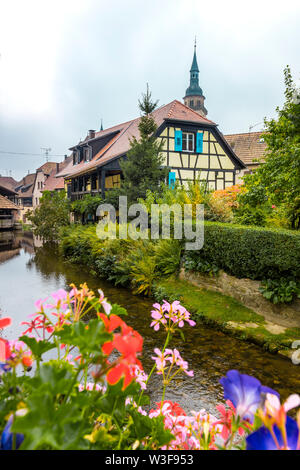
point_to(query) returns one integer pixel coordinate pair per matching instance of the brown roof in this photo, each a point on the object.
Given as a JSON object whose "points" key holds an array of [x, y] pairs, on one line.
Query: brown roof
{"points": [[248, 146], [120, 143], [55, 183], [47, 167], [7, 190], [7, 204], [27, 181], [8, 182]]}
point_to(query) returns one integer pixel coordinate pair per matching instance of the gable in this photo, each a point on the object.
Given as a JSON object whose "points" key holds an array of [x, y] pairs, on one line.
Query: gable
{"points": [[197, 151]]}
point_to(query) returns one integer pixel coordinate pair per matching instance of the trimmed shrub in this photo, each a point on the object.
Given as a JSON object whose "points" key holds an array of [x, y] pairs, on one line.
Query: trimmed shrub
{"points": [[252, 252]]}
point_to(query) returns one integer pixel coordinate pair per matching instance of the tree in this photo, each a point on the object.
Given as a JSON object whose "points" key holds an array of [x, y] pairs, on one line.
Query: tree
{"points": [[52, 213], [278, 179], [142, 170], [87, 206]]}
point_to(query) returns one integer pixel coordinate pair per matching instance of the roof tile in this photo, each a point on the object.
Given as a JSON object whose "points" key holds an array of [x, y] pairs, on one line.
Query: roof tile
{"points": [[247, 146], [120, 143]]}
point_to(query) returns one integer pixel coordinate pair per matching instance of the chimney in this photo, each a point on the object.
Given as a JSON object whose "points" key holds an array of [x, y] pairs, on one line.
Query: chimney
{"points": [[91, 133], [57, 167], [66, 156]]}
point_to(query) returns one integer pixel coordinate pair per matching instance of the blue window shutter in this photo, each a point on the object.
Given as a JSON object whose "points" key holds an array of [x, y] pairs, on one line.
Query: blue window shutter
{"points": [[199, 145], [172, 179], [178, 140]]}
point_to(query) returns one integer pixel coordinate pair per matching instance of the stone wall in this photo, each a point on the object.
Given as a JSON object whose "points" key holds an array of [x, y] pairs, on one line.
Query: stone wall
{"points": [[247, 292]]}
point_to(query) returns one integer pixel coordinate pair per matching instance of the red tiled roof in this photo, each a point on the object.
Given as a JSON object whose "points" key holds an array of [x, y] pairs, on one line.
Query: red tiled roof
{"points": [[53, 182], [247, 146], [47, 167], [6, 190], [28, 180], [8, 182], [7, 204], [120, 143]]}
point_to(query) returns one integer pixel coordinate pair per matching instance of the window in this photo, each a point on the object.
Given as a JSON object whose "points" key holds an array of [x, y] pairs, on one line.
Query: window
{"points": [[188, 142], [86, 154], [75, 157], [191, 103]]}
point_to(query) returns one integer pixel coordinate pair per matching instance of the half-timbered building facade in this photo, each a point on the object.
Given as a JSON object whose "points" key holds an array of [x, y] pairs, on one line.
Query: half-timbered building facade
{"points": [[193, 148]]}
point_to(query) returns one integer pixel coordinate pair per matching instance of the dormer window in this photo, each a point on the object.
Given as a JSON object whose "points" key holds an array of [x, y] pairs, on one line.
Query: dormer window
{"points": [[188, 142], [86, 154], [76, 156]]}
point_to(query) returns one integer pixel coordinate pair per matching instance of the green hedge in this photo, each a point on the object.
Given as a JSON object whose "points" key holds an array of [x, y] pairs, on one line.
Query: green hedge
{"points": [[252, 252]]}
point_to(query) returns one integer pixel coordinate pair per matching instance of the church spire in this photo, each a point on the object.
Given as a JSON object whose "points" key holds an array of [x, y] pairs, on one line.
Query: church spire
{"points": [[194, 67], [194, 96]]}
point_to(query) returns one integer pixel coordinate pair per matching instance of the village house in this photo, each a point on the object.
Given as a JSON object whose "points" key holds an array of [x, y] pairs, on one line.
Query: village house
{"points": [[54, 183], [41, 175], [25, 191], [7, 188], [9, 213], [193, 148]]}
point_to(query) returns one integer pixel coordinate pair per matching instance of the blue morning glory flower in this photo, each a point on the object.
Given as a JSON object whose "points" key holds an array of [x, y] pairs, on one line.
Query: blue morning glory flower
{"points": [[262, 439], [7, 437], [4, 367], [245, 392]]}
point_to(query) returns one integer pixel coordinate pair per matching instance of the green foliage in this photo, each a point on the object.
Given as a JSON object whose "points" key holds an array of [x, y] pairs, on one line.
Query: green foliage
{"points": [[142, 170], [249, 215], [278, 179], [38, 348], [281, 290], [160, 293], [87, 205], [85, 337], [52, 213], [196, 192], [252, 252], [137, 268], [168, 256], [197, 264]]}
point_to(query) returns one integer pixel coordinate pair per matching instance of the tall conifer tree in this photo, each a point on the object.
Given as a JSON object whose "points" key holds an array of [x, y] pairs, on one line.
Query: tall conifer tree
{"points": [[143, 169]]}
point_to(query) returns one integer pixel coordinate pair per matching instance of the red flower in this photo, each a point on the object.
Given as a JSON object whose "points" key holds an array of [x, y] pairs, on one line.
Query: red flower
{"points": [[123, 369], [176, 409], [128, 343], [5, 322], [226, 420], [5, 351]]}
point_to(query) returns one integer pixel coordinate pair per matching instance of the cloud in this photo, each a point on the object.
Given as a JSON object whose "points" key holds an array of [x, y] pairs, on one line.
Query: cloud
{"points": [[66, 64]]}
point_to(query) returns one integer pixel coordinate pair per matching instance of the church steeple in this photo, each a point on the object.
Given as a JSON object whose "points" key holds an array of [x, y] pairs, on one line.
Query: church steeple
{"points": [[194, 97]]}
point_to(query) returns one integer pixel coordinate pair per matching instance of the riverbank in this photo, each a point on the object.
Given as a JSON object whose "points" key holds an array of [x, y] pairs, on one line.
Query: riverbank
{"points": [[151, 269], [38, 270], [231, 317]]}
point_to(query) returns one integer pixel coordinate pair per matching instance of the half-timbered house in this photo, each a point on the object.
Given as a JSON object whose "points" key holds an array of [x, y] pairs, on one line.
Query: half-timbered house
{"points": [[193, 148]]}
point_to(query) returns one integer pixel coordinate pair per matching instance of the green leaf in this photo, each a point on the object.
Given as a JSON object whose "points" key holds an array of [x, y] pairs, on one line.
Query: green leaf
{"points": [[54, 378], [38, 348], [87, 337], [117, 310]]}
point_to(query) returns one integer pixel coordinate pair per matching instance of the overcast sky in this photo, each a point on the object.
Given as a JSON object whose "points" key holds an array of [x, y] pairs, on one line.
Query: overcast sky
{"points": [[65, 64]]}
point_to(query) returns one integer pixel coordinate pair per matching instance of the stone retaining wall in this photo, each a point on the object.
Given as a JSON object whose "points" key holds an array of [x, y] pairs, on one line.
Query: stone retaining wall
{"points": [[247, 292]]}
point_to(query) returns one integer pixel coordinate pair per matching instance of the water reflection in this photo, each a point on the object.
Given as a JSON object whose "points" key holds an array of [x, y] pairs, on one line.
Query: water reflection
{"points": [[28, 273]]}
